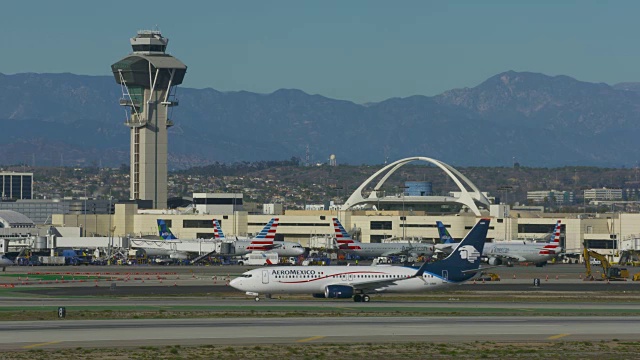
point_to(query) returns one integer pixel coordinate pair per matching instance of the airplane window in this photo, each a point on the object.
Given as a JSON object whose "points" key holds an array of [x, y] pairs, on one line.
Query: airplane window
{"points": [[247, 275]]}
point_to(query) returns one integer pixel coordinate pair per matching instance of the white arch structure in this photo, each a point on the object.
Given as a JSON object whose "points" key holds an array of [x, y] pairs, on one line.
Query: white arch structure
{"points": [[466, 198]]}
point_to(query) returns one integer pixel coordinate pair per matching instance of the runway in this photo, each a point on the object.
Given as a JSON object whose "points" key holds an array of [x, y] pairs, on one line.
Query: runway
{"points": [[246, 331], [313, 305]]}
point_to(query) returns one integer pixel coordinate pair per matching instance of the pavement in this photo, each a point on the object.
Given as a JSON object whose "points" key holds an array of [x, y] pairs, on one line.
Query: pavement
{"points": [[248, 331]]}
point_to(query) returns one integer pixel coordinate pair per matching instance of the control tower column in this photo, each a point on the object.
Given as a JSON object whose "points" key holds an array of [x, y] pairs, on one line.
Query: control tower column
{"points": [[148, 78]]}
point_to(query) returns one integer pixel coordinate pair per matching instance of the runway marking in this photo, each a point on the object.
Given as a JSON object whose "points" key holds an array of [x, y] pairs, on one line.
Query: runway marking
{"points": [[555, 337], [311, 339], [40, 344]]}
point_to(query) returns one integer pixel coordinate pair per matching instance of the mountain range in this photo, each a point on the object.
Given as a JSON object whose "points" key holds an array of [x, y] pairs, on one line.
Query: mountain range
{"points": [[534, 119]]}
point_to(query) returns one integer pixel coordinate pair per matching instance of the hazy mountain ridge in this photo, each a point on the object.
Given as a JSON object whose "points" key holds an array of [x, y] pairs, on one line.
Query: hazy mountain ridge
{"points": [[540, 120]]}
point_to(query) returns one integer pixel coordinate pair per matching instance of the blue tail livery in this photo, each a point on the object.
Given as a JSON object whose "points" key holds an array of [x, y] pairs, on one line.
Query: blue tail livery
{"points": [[164, 231], [464, 262], [445, 237]]}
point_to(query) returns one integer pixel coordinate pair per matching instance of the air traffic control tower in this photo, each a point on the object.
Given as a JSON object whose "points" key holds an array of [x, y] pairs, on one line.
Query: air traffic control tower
{"points": [[149, 77]]}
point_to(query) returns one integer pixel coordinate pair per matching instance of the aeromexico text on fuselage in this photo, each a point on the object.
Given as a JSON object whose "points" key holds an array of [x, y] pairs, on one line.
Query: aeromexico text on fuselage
{"points": [[357, 281]]}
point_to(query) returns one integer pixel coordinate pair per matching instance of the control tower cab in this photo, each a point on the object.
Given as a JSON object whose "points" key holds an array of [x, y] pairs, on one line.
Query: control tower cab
{"points": [[148, 78]]}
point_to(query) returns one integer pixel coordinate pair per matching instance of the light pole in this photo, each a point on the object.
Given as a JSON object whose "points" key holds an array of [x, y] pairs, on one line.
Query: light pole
{"points": [[85, 211], [110, 233], [584, 197], [505, 189], [404, 217], [337, 188]]}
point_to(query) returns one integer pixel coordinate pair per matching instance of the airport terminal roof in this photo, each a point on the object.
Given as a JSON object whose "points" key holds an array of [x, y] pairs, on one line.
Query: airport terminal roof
{"points": [[13, 219]]}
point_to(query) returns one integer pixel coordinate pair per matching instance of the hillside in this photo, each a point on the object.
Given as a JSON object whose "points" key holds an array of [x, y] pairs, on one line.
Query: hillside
{"points": [[539, 120]]}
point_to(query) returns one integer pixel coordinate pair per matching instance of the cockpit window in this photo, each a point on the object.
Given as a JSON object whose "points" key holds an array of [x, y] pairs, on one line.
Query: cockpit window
{"points": [[247, 275]]}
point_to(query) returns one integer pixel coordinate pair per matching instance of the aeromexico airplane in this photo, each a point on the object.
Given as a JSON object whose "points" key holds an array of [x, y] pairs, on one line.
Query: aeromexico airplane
{"points": [[506, 252], [263, 242], [345, 282], [347, 244]]}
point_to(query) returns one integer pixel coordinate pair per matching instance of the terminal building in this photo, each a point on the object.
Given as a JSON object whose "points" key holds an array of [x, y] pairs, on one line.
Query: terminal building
{"points": [[607, 233]]}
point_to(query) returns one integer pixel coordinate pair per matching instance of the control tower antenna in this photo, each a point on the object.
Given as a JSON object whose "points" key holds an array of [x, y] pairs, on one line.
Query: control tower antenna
{"points": [[148, 78]]}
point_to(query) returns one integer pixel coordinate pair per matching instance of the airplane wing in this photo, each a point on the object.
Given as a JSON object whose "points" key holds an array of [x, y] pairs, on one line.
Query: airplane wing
{"points": [[445, 248], [508, 257], [373, 285], [394, 252], [376, 285], [480, 269]]}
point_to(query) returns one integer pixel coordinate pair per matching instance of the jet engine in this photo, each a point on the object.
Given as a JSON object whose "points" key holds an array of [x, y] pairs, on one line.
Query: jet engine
{"points": [[178, 255], [338, 292], [494, 261]]}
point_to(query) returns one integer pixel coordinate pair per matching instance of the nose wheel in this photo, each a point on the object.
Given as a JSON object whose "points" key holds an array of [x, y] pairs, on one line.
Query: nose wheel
{"points": [[361, 298]]}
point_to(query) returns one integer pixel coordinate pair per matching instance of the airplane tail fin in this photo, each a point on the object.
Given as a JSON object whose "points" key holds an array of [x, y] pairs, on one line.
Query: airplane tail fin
{"points": [[269, 230], [554, 241], [217, 230], [339, 231], [464, 262], [341, 236], [445, 237], [164, 231]]}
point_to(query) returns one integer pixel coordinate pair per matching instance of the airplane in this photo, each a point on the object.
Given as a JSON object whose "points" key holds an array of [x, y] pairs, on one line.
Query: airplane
{"points": [[4, 261], [165, 233], [347, 244], [344, 282], [499, 253], [264, 241]]}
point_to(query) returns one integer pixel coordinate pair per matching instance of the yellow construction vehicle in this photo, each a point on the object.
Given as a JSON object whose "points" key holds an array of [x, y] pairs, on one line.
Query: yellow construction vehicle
{"points": [[609, 272], [629, 258], [489, 277]]}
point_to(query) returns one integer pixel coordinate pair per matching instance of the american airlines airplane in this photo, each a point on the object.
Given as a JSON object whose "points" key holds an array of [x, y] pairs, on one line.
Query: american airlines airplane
{"points": [[500, 253], [347, 244], [263, 242], [357, 282]]}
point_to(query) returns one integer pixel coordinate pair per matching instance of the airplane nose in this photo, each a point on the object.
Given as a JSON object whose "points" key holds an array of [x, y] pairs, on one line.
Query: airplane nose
{"points": [[236, 283]]}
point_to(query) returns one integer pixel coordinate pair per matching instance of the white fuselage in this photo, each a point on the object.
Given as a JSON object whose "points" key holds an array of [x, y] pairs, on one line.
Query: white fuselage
{"points": [[315, 279], [286, 248], [4, 262], [388, 249], [520, 251]]}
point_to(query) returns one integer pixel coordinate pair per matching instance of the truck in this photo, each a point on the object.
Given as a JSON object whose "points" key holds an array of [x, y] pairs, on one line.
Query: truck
{"points": [[259, 259]]}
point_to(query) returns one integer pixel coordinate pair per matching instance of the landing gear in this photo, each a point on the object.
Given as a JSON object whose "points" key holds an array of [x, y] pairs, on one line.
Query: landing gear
{"points": [[361, 298]]}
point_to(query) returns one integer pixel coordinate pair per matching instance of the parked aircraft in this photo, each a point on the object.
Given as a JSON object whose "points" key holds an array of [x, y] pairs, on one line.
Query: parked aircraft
{"points": [[4, 261], [264, 241], [499, 253], [358, 281], [347, 244]]}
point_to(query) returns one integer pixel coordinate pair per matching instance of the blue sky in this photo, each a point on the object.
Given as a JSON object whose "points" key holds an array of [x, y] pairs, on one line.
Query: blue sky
{"points": [[354, 50]]}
